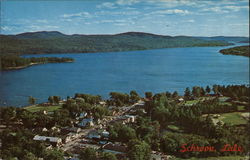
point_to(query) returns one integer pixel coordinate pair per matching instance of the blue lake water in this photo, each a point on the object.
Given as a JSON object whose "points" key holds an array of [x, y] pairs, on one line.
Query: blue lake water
{"points": [[157, 70]]}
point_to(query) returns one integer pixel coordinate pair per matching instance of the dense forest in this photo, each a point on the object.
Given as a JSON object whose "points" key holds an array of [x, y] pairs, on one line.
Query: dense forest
{"points": [[16, 62], [239, 51], [56, 42], [227, 39]]}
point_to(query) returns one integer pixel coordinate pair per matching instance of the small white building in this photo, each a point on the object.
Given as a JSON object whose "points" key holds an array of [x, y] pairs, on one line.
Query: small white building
{"points": [[105, 134], [86, 122], [131, 118], [181, 99], [55, 141]]}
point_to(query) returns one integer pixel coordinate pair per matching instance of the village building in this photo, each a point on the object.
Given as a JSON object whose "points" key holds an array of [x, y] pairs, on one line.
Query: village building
{"points": [[105, 134], [87, 122], [81, 115], [102, 103], [125, 119], [55, 129], [70, 136], [115, 148], [71, 129], [94, 134], [180, 99], [70, 133], [44, 129], [55, 141]]}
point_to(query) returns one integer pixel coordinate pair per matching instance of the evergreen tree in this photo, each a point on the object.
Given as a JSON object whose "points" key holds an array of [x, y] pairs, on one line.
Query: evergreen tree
{"points": [[187, 93], [32, 100], [175, 94], [208, 90]]}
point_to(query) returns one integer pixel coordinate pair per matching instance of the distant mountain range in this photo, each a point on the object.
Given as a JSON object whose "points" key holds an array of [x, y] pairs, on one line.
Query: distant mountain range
{"points": [[56, 42]]}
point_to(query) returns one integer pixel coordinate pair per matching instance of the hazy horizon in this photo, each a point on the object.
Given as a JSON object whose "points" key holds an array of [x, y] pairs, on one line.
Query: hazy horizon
{"points": [[163, 17]]}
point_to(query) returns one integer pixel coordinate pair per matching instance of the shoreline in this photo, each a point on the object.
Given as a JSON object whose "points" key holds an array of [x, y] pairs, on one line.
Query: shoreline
{"points": [[31, 64]]}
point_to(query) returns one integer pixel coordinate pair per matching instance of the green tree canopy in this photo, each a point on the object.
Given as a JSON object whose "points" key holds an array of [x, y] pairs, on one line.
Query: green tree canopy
{"points": [[138, 150], [88, 154]]}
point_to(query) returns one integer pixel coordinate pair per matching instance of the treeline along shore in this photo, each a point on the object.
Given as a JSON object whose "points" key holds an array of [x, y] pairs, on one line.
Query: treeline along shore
{"points": [[239, 51], [16, 62], [44, 42]]}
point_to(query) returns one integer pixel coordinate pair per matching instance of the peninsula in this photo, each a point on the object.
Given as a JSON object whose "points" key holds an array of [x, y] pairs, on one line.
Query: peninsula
{"points": [[16, 62], [239, 51]]}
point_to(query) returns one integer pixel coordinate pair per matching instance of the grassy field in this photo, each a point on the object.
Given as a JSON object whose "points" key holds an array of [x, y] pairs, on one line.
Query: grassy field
{"points": [[234, 118], [36, 108], [217, 158], [200, 99], [241, 108], [191, 102], [174, 128], [225, 103]]}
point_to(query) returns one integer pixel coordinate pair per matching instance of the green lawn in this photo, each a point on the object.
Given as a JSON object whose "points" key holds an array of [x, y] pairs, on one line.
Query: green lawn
{"points": [[223, 99], [191, 102], [173, 127], [234, 118], [217, 158], [225, 103], [200, 99], [36, 108], [241, 108]]}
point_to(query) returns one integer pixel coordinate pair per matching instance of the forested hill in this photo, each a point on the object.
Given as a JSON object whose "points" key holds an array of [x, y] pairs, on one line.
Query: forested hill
{"points": [[227, 39], [56, 42]]}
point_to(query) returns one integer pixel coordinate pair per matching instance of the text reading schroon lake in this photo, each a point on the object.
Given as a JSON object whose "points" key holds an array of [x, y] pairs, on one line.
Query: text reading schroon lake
{"points": [[157, 70]]}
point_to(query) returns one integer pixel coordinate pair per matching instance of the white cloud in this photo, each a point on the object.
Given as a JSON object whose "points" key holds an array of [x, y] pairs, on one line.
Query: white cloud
{"points": [[130, 8], [6, 28], [121, 13], [42, 21], [80, 14], [120, 24], [41, 27], [112, 5], [127, 2], [224, 9], [176, 3], [215, 5], [172, 11], [235, 8], [141, 27], [214, 9], [107, 21], [240, 24], [190, 21], [106, 5]]}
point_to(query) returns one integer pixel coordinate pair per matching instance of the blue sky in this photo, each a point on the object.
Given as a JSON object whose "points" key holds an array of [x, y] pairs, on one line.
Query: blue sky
{"points": [[166, 17]]}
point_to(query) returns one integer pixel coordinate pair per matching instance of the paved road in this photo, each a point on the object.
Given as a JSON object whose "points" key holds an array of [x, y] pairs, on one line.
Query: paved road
{"points": [[76, 142]]}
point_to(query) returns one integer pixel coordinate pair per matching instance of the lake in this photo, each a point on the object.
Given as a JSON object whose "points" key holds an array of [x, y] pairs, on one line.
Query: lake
{"points": [[157, 70]]}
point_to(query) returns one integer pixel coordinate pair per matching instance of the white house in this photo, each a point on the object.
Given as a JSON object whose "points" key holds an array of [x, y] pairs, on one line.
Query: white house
{"points": [[55, 141]]}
